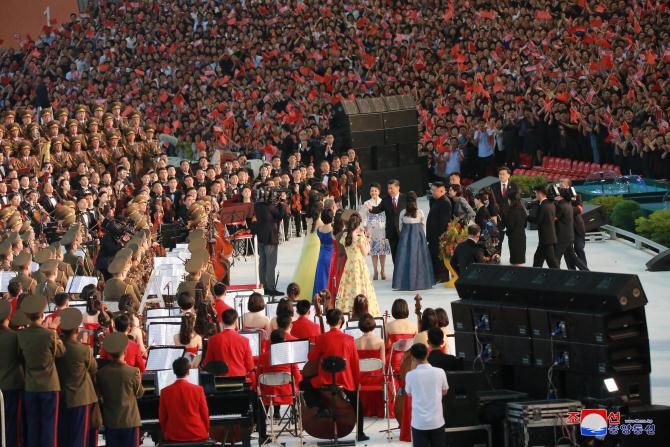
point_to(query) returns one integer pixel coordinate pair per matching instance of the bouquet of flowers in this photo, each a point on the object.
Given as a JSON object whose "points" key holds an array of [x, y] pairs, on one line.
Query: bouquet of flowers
{"points": [[455, 234]]}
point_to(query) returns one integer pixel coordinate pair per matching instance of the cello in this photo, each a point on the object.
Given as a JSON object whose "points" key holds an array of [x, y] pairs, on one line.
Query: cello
{"points": [[406, 366], [342, 414]]}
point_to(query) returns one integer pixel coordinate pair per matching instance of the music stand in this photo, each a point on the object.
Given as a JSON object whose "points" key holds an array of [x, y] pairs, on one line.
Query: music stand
{"points": [[333, 365]]}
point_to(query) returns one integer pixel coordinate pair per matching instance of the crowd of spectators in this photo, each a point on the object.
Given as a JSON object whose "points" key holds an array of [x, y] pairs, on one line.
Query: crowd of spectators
{"points": [[495, 82]]}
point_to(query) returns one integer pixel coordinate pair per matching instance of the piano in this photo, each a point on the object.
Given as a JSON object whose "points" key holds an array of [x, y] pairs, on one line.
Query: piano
{"points": [[230, 400]]}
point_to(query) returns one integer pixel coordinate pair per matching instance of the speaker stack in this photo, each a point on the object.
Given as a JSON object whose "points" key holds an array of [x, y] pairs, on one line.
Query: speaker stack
{"points": [[529, 325], [384, 132]]}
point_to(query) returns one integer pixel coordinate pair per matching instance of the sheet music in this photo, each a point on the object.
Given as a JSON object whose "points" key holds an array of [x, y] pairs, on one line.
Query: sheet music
{"points": [[254, 341], [162, 334], [183, 255], [167, 378], [34, 266], [271, 310], [77, 283], [183, 246], [294, 351], [5, 277], [165, 260], [80, 253], [229, 299], [170, 319], [162, 358], [169, 270], [163, 312]]}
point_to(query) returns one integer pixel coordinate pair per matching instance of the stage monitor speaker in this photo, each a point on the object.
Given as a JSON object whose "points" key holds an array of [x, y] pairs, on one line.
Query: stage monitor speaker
{"points": [[402, 135], [552, 288], [408, 154], [349, 107], [493, 349], [364, 157], [386, 157], [660, 262], [366, 122], [392, 102], [633, 389], [594, 217], [378, 104], [461, 404], [400, 118], [367, 138], [364, 105], [407, 102]]}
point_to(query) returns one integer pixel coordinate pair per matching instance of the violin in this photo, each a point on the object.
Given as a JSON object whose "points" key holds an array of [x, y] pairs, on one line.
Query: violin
{"points": [[296, 200], [343, 418], [220, 249], [406, 366], [334, 188]]}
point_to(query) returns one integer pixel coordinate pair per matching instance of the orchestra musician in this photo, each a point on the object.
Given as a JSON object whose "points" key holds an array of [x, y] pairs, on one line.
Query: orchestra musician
{"points": [[11, 377], [230, 347], [335, 343], [132, 351], [303, 327], [183, 412], [119, 386]]}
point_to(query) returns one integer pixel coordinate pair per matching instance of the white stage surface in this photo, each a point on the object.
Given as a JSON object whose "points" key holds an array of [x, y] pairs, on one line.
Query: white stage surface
{"points": [[608, 256]]}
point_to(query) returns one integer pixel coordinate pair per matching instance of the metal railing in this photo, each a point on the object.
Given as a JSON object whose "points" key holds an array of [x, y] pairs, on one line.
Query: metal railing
{"points": [[639, 242]]}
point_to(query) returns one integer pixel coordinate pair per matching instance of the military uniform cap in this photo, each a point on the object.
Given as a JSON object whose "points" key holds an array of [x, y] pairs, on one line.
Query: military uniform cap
{"points": [[15, 222], [124, 254], [116, 266], [26, 235], [70, 318], [195, 234], [98, 107], [107, 116], [13, 237], [81, 108], [55, 141], [43, 255], [6, 248], [34, 304], [116, 105], [26, 226], [197, 245], [5, 213], [76, 139], [49, 266], [95, 136], [72, 122], [115, 135], [135, 113], [26, 112], [115, 343], [5, 310], [195, 264], [13, 126], [54, 123], [63, 112], [69, 219], [9, 113], [20, 319], [25, 144], [23, 259], [32, 126]]}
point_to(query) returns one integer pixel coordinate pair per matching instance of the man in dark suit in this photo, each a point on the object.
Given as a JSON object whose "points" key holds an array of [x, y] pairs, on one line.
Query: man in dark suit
{"points": [[580, 229], [468, 252], [546, 230], [565, 232], [287, 145], [437, 222], [268, 216], [501, 191], [391, 205], [437, 357]]}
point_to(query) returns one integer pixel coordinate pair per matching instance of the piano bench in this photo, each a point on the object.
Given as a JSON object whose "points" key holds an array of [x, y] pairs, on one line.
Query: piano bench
{"points": [[209, 442]]}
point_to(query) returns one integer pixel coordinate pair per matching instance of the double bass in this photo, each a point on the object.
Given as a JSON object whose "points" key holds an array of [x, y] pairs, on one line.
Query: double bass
{"points": [[342, 417], [406, 366]]}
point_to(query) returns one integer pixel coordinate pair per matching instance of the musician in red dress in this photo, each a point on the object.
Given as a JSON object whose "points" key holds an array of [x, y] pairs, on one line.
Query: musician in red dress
{"points": [[220, 304], [336, 343], [303, 327], [133, 356], [183, 413]]}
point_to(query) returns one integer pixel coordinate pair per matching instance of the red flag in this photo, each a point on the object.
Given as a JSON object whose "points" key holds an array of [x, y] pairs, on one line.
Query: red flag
{"points": [[563, 97], [139, 72], [624, 128], [498, 87], [650, 57], [542, 15], [442, 110], [574, 115]]}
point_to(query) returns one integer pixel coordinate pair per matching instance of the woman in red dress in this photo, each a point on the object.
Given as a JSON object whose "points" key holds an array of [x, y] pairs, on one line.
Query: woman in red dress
{"points": [[370, 346]]}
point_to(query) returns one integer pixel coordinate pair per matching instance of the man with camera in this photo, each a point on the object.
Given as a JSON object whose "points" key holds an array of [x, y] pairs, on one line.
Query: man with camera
{"points": [[269, 213]]}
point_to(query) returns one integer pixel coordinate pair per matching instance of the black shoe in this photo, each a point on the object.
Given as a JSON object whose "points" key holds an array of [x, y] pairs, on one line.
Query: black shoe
{"points": [[362, 437]]}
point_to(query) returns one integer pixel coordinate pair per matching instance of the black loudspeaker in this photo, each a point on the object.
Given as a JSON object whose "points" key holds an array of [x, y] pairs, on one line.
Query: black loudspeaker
{"points": [[552, 288], [367, 138], [407, 102], [364, 105], [366, 122], [402, 135], [364, 157], [594, 217], [400, 118], [392, 102], [660, 262], [493, 349], [386, 156], [460, 404], [632, 389], [659, 415], [408, 154], [349, 107], [378, 104]]}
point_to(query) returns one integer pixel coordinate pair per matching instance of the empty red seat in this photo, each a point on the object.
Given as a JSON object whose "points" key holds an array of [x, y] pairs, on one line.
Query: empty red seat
{"points": [[564, 166], [594, 167], [525, 160], [582, 169]]}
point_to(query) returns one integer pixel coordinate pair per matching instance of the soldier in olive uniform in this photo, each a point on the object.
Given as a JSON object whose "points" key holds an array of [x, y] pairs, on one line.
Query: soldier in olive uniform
{"points": [[6, 256], [40, 347], [116, 286], [194, 267], [71, 240], [49, 288], [11, 378], [119, 386], [76, 371], [21, 264]]}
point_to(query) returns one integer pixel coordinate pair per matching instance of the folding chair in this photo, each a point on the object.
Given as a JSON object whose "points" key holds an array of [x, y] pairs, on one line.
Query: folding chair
{"points": [[371, 366], [277, 379]]}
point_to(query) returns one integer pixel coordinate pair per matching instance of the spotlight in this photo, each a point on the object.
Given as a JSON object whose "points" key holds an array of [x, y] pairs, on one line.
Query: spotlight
{"points": [[611, 385]]}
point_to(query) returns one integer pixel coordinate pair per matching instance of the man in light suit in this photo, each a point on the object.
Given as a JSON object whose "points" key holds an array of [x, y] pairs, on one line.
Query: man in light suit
{"points": [[391, 205]]}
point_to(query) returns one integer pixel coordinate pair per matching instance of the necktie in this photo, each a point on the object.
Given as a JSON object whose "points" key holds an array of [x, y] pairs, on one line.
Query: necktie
{"points": [[504, 191], [395, 203]]}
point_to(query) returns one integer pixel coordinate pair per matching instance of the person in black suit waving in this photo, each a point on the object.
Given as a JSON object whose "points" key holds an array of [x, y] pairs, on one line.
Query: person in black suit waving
{"points": [[391, 205], [438, 220], [546, 230]]}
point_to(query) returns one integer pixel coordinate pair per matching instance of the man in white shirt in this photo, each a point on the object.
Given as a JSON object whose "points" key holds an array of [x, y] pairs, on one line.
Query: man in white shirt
{"points": [[426, 385]]}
